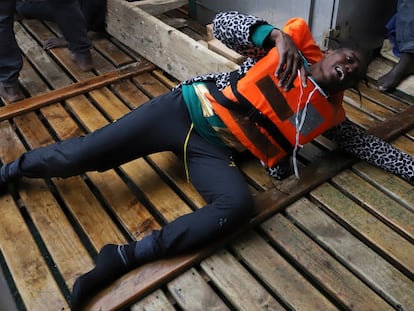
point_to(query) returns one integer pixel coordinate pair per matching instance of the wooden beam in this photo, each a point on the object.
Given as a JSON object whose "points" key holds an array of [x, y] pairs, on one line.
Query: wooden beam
{"points": [[148, 277], [157, 7], [168, 48], [55, 96]]}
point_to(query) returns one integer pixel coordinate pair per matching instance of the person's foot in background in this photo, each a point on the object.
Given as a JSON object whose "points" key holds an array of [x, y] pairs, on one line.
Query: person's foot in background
{"points": [[398, 73]]}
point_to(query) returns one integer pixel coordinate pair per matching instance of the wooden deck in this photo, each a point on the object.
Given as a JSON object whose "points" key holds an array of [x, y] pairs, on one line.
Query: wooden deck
{"points": [[341, 238]]}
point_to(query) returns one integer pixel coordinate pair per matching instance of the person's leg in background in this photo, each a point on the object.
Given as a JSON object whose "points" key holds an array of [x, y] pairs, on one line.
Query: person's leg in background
{"points": [[10, 57], [36, 9], [405, 42], [72, 24]]}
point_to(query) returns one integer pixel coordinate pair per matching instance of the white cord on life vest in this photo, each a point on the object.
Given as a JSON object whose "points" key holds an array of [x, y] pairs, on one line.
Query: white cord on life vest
{"points": [[299, 124]]}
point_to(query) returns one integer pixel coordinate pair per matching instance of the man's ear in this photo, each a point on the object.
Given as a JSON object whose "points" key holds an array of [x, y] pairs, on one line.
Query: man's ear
{"points": [[328, 52]]}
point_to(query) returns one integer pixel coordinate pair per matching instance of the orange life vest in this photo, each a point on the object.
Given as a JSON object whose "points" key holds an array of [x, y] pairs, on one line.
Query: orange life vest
{"points": [[269, 121]]}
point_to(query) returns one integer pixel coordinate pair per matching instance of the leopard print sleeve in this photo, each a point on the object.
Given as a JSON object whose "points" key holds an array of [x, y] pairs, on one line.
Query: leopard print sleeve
{"points": [[372, 149], [234, 30]]}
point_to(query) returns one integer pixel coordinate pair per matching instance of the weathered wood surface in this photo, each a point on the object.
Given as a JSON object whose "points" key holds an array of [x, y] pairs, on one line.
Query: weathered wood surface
{"points": [[158, 42], [81, 87], [344, 245]]}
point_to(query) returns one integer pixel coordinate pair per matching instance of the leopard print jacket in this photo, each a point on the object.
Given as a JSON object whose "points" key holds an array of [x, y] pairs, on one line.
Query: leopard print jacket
{"points": [[234, 30]]}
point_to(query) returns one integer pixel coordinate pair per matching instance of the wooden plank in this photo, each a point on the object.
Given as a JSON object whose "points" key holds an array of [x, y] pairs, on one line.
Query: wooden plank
{"points": [[129, 93], [58, 234], [377, 202], [157, 7], [370, 267], [367, 106], [239, 287], [62, 243], [380, 98], [31, 274], [160, 196], [37, 288], [89, 212], [395, 187], [217, 46], [342, 286], [154, 302], [270, 267], [192, 293], [355, 115], [220, 48], [405, 144], [367, 227], [72, 90], [178, 55]]}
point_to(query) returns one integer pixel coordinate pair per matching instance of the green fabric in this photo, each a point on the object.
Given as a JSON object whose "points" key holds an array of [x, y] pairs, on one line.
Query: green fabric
{"points": [[260, 34], [203, 125]]}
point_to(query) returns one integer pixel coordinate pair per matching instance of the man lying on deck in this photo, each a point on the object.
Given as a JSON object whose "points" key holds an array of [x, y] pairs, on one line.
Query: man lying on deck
{"points": [[284, 95]]}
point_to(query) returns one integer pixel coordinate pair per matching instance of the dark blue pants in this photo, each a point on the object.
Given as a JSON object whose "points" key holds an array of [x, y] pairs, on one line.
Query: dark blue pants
{"points": [[162, 124], [10, 58], [93, 11], [405, 26], [400, 28]]}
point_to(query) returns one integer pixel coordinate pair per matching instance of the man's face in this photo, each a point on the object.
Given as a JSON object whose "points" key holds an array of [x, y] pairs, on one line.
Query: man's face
{"points": [[341, 68]]}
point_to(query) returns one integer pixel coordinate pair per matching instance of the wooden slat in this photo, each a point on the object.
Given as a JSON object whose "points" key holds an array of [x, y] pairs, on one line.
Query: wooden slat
{"points": [[192, 293], [156, 7], [237, 284], [379, 98], [385, 279], [26, 264], [398, 189], [145, 36], [362, 223], [72, 90], [329, 274], [154, 302], [381, 205], [355, 115], [60, 238], [365, 105], [163, 198], [32, 276], [275, 271], [405, 144]]}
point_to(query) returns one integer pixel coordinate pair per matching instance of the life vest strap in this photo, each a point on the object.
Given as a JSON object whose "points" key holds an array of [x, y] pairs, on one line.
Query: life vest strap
{"points": [[250, 111]]}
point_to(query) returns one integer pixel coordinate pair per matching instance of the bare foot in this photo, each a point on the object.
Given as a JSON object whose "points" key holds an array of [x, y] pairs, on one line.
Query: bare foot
{"points": [[55, 43], [398, 73]]}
